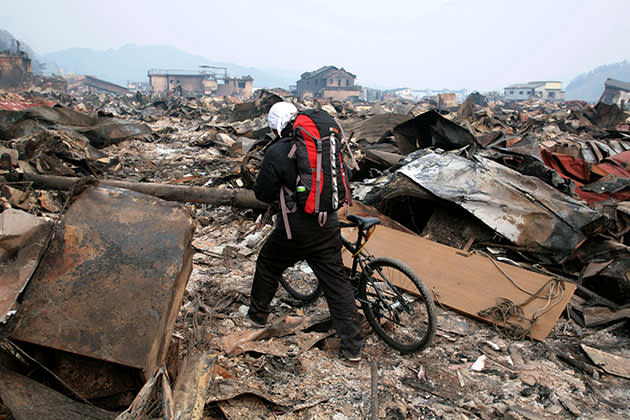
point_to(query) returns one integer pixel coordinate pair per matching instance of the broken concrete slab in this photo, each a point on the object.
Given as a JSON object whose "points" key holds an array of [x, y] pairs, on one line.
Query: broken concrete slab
{"points": [[111, 283], [28, 400]]}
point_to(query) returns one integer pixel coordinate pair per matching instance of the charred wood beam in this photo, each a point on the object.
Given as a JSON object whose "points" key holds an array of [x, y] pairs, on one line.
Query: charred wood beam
{"points": [[242, 198], [578, 364], [374, 388]]}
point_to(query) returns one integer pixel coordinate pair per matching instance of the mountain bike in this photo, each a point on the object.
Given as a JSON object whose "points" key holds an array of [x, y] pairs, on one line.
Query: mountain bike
{"points": [[396, 303]]}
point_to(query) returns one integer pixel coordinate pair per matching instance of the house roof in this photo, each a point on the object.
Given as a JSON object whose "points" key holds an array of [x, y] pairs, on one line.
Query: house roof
{"points": [[617, 84], [324, 72], [321, 70], [530, 85]]}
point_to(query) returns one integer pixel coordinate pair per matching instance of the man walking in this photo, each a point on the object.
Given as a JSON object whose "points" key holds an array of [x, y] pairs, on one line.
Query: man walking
{"points": [[319, 245]]}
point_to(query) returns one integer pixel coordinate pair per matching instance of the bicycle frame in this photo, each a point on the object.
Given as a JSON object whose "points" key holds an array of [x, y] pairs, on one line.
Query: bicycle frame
{"points": [[360, 256]]}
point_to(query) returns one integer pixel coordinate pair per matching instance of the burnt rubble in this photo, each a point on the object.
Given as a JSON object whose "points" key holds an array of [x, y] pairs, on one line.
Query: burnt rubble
{"points": [[129, 234]]}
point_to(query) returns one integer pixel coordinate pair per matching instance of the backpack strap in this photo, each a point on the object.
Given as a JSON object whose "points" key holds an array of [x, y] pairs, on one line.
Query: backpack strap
{"points": [[322, 218], [293, 150], [344, 177], [310, 135], [346, 144], [318, 178], [333, 171], [285, 210]]}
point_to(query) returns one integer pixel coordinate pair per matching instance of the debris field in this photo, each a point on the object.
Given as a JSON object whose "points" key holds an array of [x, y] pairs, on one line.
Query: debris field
{"points": [[129, 235]]}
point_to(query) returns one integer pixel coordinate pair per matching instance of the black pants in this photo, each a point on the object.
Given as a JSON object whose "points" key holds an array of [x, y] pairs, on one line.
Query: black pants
{"points": [[321, 248]]}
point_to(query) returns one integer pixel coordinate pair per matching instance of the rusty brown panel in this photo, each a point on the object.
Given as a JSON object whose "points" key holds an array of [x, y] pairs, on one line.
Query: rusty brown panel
{"points": [[112, 281], [93, 378], [28, 399]]}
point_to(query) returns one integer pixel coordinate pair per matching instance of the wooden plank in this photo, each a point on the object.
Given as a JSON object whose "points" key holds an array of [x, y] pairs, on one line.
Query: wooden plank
{"points": [[611, 363], [467, 283], [600, 315], [192, 383]]}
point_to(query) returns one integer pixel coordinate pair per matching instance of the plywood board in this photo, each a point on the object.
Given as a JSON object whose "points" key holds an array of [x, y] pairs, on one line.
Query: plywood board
{"points": [[466, 283]]}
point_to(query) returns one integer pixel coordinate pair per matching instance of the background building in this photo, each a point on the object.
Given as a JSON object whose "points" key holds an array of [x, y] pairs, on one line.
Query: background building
{"points": [[616, 92], [547, 90], [86, 83], [328, 82], [14, 66], [213, 82]]}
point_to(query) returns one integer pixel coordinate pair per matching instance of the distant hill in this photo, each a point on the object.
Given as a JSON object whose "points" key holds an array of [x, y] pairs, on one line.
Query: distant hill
{"points": [[589, 86], [132, 62], [39, 63]]}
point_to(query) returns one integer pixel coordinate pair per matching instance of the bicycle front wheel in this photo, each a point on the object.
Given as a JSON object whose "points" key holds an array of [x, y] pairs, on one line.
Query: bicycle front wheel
{"points": [[301, 283], [398, 306]]}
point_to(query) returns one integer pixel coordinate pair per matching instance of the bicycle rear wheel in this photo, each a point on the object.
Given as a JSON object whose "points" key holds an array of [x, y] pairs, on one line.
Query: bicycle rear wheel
{"points": [[301, 283], [398, 306]]}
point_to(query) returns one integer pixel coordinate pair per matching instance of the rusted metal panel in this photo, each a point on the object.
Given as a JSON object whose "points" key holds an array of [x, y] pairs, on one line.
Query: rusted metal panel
{"points": [[111, 283], [28, 399], [91, 378]]}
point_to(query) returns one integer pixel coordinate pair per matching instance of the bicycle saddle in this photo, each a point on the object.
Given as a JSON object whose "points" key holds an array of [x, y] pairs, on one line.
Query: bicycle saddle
{"points": [[363, 222]]}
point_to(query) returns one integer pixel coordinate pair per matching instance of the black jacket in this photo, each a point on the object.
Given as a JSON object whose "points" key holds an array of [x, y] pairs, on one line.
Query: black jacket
{"points": [[277, 170]]}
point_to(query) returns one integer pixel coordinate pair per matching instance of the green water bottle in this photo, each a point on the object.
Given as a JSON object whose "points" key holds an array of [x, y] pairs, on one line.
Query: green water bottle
{"points": [[301, 195]]}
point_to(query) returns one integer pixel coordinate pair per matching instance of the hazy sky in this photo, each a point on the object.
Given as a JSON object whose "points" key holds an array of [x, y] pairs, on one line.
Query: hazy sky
{"points": [[473, 44]]}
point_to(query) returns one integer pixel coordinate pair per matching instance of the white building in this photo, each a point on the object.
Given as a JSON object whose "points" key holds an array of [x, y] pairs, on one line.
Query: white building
{"points": [[549, 91]]}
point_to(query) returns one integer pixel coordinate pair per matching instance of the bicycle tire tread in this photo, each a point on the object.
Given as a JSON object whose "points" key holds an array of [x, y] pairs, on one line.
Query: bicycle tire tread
{"points": [[427, 301]]}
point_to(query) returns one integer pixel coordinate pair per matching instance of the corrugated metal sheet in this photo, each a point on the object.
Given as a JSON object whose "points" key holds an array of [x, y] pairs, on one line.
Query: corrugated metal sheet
{"points": [[524, 209], [22, 105]]}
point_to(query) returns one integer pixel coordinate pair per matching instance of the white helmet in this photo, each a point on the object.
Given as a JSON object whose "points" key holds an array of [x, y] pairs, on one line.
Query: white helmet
{"points": [[280, 114]]}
